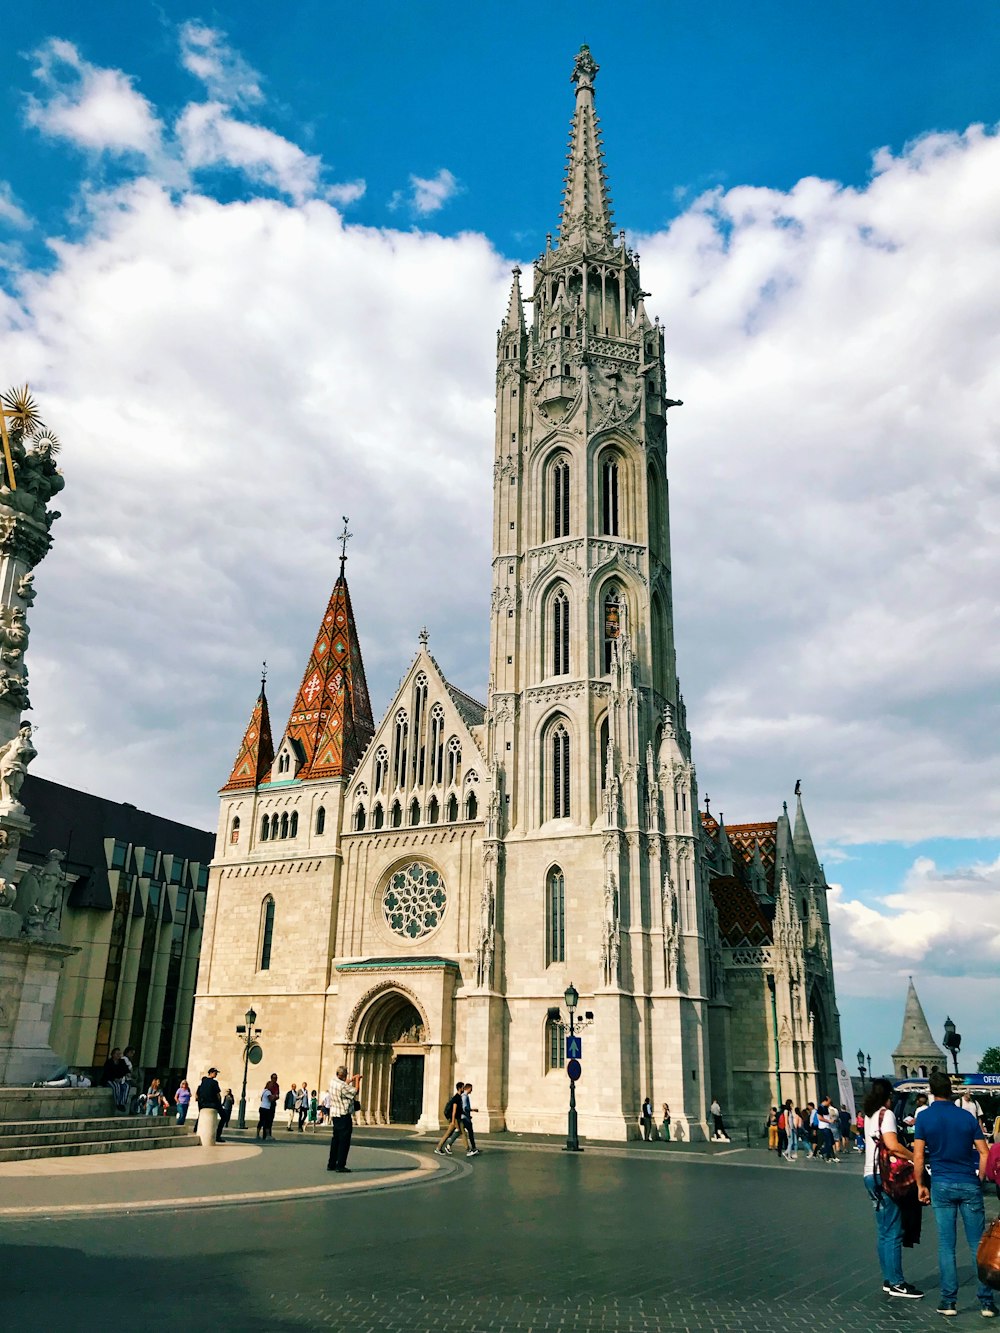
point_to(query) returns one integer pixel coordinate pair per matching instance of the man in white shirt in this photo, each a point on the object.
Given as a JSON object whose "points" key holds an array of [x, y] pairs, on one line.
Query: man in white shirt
{"points": [[969, 1104], [343, 1091]]}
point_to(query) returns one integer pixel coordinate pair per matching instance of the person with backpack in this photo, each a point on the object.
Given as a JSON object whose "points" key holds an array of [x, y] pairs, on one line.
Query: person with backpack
{"points": [[453, 1115], [881, 1129]]}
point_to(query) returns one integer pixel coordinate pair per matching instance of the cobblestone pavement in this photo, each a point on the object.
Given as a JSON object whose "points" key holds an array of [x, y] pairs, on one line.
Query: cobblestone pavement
{"points": [[512, 1242]]}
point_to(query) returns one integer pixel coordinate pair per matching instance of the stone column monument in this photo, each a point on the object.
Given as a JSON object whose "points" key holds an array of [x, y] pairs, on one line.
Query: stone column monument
{"points": [[31, 953]]}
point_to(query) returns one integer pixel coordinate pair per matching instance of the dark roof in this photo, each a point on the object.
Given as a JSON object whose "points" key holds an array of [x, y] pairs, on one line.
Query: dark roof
{"points": [[472, 712], [78, 824]]}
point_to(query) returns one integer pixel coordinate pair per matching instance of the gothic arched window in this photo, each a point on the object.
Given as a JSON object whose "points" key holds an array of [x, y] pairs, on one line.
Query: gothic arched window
{"points": [[419, 709], [274, 827], [293, 825], [381, 768], [557, 776], [454, 761], [555, 1044], [452, 808], [603, 739], [414, 811], [437, 745], [471, 806], [265, 826], [284, 824], [555, 917], [612, 623], [609, 495], [396, 815], [560, 634], [359, 819], [378, 816], [433, 810], [321, 819], [399, 748], [559, 498], [234, 829], [266, 933]]}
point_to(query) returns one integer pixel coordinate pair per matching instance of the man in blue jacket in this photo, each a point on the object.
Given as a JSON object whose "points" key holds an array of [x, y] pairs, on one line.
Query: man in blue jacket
{"points": [[947, 1139]]}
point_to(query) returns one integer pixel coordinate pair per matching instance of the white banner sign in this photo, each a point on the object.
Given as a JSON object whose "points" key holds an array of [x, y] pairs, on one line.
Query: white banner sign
{"points": [[846, 1088]]}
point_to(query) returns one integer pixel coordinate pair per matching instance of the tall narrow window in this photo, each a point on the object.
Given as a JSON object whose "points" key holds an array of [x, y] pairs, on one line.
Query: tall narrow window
{"points": [[321, 819], [437, 745], [471, 806], [265, 828], [559, 788], [560, 634], [293, 825], [284, 824], [433, 810], [399, 749], [560, 499], [452, 808], [396, 815], [419, 709], [234, 829], [555, 917], [359, 819], [603, 739], [454, 761], [381, 768], [612, 623], [555, 1044], [274, 827], [609, 496], [378, 816], [266, 933], [414, 811]]}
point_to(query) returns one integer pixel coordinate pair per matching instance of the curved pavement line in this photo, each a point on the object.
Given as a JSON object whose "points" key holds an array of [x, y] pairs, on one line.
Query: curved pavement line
{"points": [[421, 1174]]}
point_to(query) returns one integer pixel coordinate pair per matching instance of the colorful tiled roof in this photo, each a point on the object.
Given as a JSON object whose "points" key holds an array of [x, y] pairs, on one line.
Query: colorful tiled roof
{"points": [[256, 753], [744, 837], [742, 919]]}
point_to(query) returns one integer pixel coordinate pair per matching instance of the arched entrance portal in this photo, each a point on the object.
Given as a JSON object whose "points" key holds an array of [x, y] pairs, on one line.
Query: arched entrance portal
{"points": [[390, 1052]]}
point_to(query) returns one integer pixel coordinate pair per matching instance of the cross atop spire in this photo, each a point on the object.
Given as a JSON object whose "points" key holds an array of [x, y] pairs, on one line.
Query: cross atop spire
{"points": [[586, 213], [345, 537]]}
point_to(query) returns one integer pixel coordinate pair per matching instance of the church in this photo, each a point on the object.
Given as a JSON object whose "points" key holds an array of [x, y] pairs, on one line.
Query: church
{"points": [[413, 897]]}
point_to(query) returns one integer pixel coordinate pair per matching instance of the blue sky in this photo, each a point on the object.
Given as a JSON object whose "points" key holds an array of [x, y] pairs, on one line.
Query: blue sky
{"points": [[243, 245]]}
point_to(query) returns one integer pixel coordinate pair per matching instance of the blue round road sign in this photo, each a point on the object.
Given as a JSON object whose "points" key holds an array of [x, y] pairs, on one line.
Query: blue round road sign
{"points": [[574, 1069]]}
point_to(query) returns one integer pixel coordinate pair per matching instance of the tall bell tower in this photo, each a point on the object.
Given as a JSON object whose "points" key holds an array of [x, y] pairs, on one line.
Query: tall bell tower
{"points": [[594, 852]]}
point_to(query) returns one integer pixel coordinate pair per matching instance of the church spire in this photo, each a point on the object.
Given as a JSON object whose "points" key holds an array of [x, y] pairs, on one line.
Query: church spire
{"points": [[805, 852], [256, 753], [514, 318], [586, 212], [331, 719], [916, 1045]]}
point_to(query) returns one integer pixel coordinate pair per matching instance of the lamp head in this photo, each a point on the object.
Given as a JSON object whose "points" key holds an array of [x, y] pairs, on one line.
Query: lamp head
{"points": [[572, 997], [251, 1017], [861, 1057], [949, 1028]]}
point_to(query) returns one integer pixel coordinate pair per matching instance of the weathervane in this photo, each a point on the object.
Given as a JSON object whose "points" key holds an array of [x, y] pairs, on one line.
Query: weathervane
{"points": [[345, 537], [263, 675], [707, 799]]}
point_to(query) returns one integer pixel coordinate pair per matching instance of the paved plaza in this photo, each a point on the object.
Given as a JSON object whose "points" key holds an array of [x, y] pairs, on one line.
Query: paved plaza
{"points": [[524, 1237]]}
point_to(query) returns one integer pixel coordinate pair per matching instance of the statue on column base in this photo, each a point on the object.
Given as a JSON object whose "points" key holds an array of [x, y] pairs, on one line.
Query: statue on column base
{"points": [[15, 757]]}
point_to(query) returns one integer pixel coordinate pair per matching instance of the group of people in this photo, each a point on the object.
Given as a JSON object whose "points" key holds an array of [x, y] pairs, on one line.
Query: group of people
{"points": [[819, 1131], [458, 1113], [950, 1160]]}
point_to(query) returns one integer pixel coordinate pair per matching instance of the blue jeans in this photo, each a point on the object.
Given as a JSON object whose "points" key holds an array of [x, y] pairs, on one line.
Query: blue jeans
{"points": [[948, 1199], [826, 1143], [152, 1106], [889, 1233], [793, 1141], [182, 1112]]}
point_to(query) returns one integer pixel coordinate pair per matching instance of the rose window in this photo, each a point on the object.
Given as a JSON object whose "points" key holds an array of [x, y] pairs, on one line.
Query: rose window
{"points": [[414, 901]]}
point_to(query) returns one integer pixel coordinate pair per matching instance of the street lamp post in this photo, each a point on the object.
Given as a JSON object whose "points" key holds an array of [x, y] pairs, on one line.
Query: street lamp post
{"points": [[953, 1040], [249, 1035], [572, 998], [869, 1059], [861, 1068]]}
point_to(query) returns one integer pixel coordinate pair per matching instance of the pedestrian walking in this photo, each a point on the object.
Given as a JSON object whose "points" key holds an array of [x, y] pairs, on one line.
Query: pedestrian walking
{"points": [[773, 1130], [324, 1108], [789, 1124], [947, 1139], [209, 1098], [343, 1096], [182, 1100], [302, 1105], [665, 1127], [719, 1128], [289, 1107], [228, 1102], [453, 1118], [880, 1123], [467, 1110], [154, 1098], [646, 1117], [313, 1109]]}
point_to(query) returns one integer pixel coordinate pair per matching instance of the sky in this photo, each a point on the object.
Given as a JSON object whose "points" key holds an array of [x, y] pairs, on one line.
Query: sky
{"points": [[253, 271]]}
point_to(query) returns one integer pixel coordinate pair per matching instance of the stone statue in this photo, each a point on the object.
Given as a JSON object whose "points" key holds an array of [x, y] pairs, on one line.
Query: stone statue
{"points": [[26, 589], [487, 933], [671, 932], [15, 757], [611, 943], [48, 904], [8, 895]]}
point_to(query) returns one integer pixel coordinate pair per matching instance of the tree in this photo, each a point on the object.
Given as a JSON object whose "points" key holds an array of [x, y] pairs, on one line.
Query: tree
{"points": [[990, 1063]]}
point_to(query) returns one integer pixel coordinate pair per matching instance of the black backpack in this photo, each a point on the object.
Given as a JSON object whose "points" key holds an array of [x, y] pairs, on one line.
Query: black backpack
{"points": [[449, 1106]]}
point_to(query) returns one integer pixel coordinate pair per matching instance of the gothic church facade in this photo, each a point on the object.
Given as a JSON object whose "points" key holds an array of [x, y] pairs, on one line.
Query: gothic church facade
{"points": [[413, 898]]}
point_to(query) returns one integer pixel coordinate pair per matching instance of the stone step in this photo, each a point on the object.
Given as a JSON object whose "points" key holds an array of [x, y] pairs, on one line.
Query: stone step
{"points": [[95, 1126], [95, 1146], [72, 1132]]}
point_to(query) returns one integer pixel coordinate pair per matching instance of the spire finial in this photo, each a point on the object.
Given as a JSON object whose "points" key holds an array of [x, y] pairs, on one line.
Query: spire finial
{"points": [[585, 69], [345, 537], [707, 799], [798, 786], [263, 675], [424, 637]]}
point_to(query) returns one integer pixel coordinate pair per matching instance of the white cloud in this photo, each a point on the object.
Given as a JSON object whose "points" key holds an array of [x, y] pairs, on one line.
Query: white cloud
{"points": [[426, 195], [210, 137], [96, 109], [11, 211], [227, 77]]}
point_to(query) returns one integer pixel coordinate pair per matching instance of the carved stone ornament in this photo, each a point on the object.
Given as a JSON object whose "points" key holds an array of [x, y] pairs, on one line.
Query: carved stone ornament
{"points": [[15, 757]]}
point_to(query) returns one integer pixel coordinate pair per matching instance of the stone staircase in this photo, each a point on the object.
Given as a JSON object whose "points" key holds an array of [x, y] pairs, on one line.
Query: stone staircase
{"points": [[23, 1140], [77, 1122]]}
